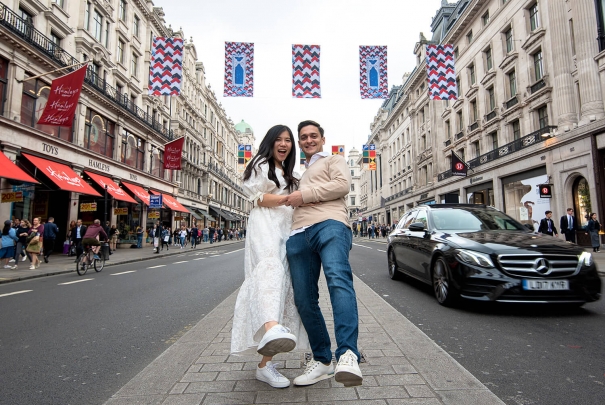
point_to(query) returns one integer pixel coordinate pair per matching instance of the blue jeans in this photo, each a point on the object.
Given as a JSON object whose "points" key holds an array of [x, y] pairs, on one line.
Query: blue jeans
{"points": [[139, 241], [327, 243], [205, 238]]}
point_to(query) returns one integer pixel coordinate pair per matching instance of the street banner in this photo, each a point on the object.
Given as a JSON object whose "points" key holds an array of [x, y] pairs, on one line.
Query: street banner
{"points": [[338, 150], [88, 207], [545, 190], [368, 159], [155, 201], [244, 154], [166, 67], [120, 211], [459, 166], [63, 99], [373, 79], [173, 152], [239, 69], [305, 71], [441, 72], [14, 196]]}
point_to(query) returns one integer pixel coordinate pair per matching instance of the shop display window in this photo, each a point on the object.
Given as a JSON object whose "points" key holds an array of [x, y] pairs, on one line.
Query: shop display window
{"points": [[522, 200], [100, 134]]}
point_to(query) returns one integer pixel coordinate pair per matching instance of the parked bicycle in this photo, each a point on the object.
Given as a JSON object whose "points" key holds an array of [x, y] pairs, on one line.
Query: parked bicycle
{"points": [[88, 259]]}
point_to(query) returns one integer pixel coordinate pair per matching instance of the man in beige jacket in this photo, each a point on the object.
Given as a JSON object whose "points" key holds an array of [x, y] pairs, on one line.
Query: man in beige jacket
{"points": [[321, 236]]}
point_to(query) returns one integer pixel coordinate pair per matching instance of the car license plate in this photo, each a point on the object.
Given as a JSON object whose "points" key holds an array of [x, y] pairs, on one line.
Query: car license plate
{"points": [[545, 285]]}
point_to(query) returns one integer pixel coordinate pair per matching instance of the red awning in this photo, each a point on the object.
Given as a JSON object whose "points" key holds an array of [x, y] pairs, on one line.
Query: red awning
{"points": [[138, 191], [9, 170], [170, 202], [62, 175], [112, 188]]}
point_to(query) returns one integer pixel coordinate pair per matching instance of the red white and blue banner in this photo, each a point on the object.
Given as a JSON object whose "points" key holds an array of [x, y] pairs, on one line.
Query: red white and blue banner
{"points": [[305, 71], [166, 67], [441, 72], [373, 79], [239, 69]]}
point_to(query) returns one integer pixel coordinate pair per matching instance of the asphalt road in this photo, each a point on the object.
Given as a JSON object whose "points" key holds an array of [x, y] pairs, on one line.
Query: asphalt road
{"points": [[525, 355], [78, 340]]}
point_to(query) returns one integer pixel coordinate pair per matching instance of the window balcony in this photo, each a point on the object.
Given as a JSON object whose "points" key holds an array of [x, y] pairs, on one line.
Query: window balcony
{"points": [[490, 116], [512, 102], [460, 135], [473, 126], [537, 86]]}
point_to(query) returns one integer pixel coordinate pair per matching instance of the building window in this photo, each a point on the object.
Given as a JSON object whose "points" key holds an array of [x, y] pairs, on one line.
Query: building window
{"points": [[572, 37], [492, 98], [474, 116], [512, 84], [538, 66], [352, 187], [456, 53], [3, 83], [448, 130], [471, 72], [352, 172], [460, 123], [534, 20], [459, 86], [120, 54], [135, 26], [542, 117], [97, 24], [122, 10], [510, 44], [485, 18], [476, 149], [352, 200], [55, 39], [134, 65], [59, 3], [99, 134], [469, 36], [489, 63], [516, 127], [87, 17], [133, 150], [494, 137], [106, 34], [461, 155]]}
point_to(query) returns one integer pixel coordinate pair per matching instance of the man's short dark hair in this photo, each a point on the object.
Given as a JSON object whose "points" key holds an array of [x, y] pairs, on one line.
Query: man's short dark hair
{"points": [[570, 209], [310, 122], [547, 212], [51, 219]]}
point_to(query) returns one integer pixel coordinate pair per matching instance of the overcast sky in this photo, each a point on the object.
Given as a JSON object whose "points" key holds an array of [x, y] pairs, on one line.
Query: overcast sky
{"points": [[338, 26]]}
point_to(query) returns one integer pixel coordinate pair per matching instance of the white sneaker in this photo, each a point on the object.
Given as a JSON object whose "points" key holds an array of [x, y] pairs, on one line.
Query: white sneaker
{"points": [[271, 376], [315, 372], [278, 339], [6, 266], [347, 370], [32, 267], [14, 267], [24, 258], [11, 261]]}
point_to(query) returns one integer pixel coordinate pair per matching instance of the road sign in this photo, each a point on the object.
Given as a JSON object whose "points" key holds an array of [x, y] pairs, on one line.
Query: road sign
{"points": [[155, 201]]}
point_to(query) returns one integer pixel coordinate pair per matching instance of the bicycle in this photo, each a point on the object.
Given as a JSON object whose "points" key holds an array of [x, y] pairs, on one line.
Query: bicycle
{"points": [[87, 259]]}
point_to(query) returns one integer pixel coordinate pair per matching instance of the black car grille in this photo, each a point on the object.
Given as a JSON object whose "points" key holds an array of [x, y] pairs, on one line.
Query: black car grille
{"points": [[539, 265]]}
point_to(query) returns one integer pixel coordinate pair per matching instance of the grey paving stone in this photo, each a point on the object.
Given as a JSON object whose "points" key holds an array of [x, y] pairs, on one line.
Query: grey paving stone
{"points": [[221, 367], [392, 352], [229, 398], [445, 374], [355, 402], [388, 360], [179, 388], [469, 397], [184, 399], [368, 369], [250, 385], [197, 377], [194, 368], [236, 375], [282, 396], [419, 391], [382, 392], [404, 368], [399, 379], [331, 394], [297, 364], [210, 386], [211, 359], [417, 401], [137, 400]]}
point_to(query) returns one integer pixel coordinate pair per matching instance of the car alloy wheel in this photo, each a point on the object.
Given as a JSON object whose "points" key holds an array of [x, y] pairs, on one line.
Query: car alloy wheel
{"points": [[393, 272], [444, 291]]}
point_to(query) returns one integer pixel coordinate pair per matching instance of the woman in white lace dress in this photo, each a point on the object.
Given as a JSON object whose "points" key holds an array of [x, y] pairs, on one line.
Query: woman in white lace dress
{"points": [[265, 316]]}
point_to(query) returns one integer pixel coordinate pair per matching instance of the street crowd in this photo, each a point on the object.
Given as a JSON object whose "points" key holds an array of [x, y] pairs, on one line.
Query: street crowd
{"points": [[165, 236]]}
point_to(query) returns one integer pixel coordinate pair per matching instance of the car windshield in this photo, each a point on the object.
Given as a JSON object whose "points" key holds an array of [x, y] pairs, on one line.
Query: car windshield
{"points": [[458, 219]]}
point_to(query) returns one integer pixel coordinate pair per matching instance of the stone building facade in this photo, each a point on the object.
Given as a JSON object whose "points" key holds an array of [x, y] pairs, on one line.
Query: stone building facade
{"points": [[530, 111]]}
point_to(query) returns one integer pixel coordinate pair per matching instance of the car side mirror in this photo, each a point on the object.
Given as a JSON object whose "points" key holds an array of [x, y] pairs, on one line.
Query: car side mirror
{"points": [[417, 227]]}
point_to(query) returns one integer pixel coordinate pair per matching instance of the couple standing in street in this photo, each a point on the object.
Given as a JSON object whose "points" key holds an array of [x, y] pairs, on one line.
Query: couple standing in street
{"points": [[297, 225]]}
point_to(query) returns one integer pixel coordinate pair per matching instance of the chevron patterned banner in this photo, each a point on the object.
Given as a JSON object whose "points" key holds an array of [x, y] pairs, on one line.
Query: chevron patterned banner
{"points": [[239, 69], [441, 72], [373, 79], [305, 71], [338, 150], [166, 67]]}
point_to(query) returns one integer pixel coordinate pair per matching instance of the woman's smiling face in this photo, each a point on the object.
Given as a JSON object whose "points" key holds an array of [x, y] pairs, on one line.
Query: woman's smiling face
{"points": [[282, 147]]}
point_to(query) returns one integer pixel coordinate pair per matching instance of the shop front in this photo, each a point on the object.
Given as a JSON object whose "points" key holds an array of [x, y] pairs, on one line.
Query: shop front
{"points": [[522, 197], [482, 193], [137, 214], [17, 189], [173, 210]]}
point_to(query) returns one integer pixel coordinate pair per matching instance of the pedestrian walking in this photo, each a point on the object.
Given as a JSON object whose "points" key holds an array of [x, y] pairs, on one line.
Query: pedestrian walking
{"points": [[166, 238], [51, 231], [211, 233], [154, 233], [265, 317], [547, 225], [321, 238], [9, 239], [193, 235], [205, 234], [139, 237], [76, 237], [22, 231], [34, 244], [113, 238], [593, 228], [568, 226], [183, 236]]}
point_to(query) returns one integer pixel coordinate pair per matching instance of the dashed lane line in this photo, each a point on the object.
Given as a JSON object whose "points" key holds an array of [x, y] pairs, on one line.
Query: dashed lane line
{"points": [[200, 258], [77, 281], [228, 253], [124, 272], [367, 247], [15, 293], [214, 256], [155, 267], [184, 261], [384, 251]]}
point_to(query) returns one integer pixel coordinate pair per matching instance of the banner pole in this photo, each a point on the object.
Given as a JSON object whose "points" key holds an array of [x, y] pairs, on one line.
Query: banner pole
{"points": [[52, 71]]}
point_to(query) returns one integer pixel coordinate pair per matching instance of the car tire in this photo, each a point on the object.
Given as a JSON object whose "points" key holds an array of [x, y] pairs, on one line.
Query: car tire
{"points": [[441, 281], [394, 272]]}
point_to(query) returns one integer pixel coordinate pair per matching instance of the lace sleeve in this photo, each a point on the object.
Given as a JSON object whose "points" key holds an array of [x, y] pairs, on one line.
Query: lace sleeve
{"points": [[258, 184]]}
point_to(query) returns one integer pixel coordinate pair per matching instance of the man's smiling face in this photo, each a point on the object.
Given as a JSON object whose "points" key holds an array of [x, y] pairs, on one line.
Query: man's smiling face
{"points": [[310, 140]]}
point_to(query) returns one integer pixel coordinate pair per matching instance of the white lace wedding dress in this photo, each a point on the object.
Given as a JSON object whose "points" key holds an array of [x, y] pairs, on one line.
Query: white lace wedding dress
{"points": [[266, 294]]}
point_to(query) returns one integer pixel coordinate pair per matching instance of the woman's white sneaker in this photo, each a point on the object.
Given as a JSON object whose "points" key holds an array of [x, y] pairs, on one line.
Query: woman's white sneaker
{"points": [[278, 339], [271, 376], [347, 370], [315, 372]]}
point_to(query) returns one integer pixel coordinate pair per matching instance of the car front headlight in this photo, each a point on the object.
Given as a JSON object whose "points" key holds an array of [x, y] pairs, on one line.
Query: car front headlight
{"points": [[474, 258], [586, 259]]}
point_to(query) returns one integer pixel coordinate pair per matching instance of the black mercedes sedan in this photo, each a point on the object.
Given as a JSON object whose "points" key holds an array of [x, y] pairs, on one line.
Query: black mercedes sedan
{"points": [[479, 253]]}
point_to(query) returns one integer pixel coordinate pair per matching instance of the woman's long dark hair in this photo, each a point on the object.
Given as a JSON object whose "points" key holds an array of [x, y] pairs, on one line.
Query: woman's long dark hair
{"points": [[6, 229], [265, 154]]}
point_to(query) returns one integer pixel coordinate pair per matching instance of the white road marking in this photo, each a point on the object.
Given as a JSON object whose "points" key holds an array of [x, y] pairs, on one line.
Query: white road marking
{"points": [[16, 292], [77, 281], [124, 272], [381, 250], [215, 256], [233, 251], [155, 267], [200, 258], [184, 261], [367, 247]]}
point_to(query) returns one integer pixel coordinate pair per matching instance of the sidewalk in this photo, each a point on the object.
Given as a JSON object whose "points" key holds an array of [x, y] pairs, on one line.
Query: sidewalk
{"points": [[59, 263], [403, 366]]}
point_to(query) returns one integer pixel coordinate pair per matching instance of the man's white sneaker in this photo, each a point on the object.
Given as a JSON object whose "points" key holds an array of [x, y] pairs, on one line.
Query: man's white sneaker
{"points": [[315, 372], [11, 261], [271, 376], [347, 370], [278, 339], [32, 267], [24, 258], [6, 266]]}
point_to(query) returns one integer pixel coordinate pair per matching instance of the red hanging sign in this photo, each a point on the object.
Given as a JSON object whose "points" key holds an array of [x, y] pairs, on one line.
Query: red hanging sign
{"points": [[173, 152], [63, 99]]}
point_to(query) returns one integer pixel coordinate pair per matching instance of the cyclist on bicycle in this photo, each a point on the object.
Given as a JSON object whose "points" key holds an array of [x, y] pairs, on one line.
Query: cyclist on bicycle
{"points": [[90, 237]]}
